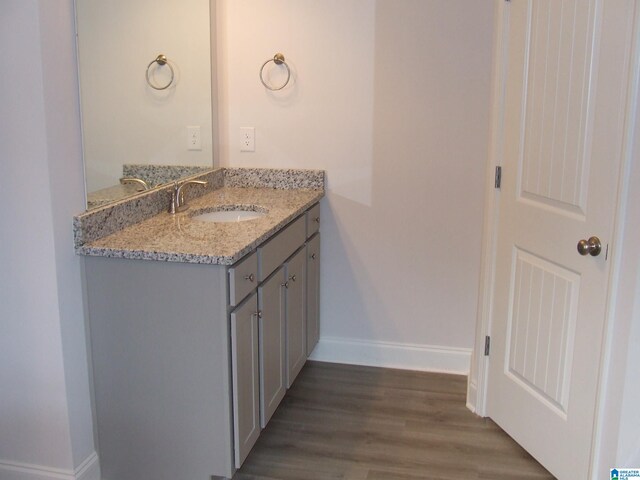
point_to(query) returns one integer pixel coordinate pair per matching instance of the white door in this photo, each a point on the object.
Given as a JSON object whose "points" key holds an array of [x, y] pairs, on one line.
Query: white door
{"points": [[567, 77]]}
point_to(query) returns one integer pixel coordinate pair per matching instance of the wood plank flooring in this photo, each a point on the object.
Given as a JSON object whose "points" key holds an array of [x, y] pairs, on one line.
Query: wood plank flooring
{"points": [[361, 423]]}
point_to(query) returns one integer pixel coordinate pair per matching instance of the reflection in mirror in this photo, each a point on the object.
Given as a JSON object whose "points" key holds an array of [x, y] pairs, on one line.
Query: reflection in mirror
{"points": [[131, 128]]}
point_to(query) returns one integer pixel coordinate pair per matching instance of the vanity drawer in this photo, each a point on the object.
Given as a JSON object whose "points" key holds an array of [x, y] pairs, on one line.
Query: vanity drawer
{"points": [[243, 278], [273, 253], [313, 220]]}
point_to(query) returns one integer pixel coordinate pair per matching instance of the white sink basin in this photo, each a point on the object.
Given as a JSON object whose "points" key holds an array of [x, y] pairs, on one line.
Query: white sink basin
{"points": [[228, 216]]}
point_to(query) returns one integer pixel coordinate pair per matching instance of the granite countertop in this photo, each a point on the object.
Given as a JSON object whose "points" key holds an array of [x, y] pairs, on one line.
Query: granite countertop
{"points": [[179, 238], [109, 194]]}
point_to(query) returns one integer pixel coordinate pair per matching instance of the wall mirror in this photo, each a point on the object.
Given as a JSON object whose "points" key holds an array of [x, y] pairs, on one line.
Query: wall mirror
{"points": [[134, 127]]}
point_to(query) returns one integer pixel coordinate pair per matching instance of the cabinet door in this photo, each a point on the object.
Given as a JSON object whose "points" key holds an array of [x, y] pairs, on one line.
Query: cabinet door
{"points": [[272, 345], [313, 293], [245, 372], [296, 315]]}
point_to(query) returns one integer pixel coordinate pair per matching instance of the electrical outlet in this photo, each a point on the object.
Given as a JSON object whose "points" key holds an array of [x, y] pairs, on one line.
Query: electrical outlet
{"points": [[247, 139], [194, 141]]}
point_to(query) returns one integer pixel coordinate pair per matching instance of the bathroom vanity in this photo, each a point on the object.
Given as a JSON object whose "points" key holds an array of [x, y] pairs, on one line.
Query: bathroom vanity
{"points": [[193, 351]]}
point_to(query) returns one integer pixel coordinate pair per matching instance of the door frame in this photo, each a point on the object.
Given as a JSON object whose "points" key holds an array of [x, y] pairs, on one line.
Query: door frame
{"points": [[602, 451]]}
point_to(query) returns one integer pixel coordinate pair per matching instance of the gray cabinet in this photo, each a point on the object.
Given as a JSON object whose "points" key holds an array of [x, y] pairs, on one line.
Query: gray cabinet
{"points": [[272, 344], [295, 293], [191, 361], [280, 316], [313, 292], [245, 375]]}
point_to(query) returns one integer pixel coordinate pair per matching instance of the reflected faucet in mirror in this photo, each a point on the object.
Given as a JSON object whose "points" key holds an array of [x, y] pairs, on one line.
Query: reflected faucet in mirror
{"points": [[139, 181]]}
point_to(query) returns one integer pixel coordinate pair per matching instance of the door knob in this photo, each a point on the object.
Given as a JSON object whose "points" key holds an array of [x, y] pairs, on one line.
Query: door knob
{"points": [[591, 247]]}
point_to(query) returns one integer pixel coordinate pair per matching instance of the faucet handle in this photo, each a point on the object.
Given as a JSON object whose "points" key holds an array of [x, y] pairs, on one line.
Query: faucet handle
{"points": [[174, 197]]}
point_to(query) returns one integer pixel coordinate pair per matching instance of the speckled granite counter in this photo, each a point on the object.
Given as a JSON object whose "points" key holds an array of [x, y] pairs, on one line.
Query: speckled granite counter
{"points": [[156, 175], [109, 194], [153, 175], [179, 238]]}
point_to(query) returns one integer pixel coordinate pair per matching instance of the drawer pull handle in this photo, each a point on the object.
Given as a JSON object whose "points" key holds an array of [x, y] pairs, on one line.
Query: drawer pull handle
{"points": [[292, 278], [251, 277], [313, 256], [317, 219], [285, 284]]}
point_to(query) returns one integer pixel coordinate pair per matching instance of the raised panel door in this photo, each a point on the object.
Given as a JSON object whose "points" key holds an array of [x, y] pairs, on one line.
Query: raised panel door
{"points": [[245, 374], [296, 315], [272, 334], [567, 77]]}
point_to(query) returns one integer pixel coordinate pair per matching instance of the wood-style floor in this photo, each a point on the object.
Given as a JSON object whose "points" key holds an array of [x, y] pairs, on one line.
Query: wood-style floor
{"points": [[363, 423]]}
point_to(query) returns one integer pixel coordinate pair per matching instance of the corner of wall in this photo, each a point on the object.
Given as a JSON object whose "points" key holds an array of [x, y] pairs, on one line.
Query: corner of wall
{"points": [[215, 134]]}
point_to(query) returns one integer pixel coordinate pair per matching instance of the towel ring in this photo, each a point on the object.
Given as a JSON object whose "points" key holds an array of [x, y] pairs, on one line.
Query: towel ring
{"points": [[278, 59], [160, 60]]}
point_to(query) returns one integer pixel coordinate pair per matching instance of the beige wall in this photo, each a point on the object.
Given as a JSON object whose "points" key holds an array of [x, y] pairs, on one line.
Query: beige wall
{"points": [[391, 98]]}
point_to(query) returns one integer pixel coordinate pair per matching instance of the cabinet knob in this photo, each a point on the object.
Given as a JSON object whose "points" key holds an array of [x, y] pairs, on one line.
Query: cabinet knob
{"points": [[258, 314], [292, 278], [313, 256], [285, 284], [317, 219], [251, 277]]}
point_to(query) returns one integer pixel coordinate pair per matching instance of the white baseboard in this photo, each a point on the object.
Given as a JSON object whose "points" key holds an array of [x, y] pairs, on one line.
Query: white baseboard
{"points": [[87, 470], [404, 356]]}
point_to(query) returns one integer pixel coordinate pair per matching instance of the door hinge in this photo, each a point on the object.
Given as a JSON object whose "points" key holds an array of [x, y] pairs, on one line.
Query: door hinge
{"points": [[498, 178], [487, 345]]}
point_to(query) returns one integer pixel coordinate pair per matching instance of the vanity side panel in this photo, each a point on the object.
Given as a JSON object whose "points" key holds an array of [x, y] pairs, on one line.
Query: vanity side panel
{"points": [[160, 346]]}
